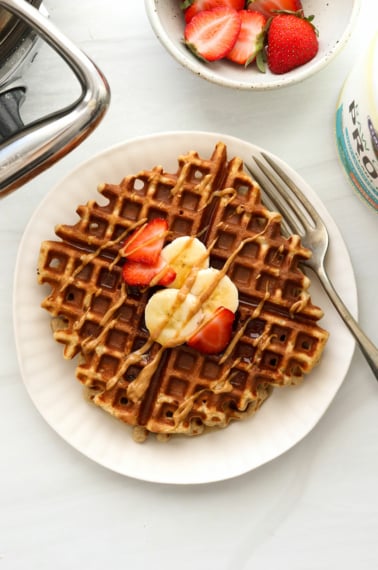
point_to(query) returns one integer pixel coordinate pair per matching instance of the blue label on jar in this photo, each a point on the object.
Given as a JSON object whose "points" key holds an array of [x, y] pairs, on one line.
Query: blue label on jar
{"points": [[357, 151]]}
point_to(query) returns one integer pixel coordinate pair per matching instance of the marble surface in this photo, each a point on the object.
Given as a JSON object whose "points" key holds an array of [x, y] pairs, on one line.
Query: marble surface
{"points": [[315, 507]]}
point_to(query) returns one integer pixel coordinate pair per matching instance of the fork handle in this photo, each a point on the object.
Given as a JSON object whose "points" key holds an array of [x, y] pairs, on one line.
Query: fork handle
{"points": [[367, 347]]}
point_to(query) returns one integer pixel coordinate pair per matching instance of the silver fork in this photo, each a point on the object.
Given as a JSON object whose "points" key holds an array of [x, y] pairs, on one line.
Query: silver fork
{"points": [[301, 218]]}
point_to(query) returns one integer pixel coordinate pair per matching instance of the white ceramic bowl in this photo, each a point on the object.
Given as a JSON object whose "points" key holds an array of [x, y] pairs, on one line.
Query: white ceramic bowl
{"points": [[334, 20]]}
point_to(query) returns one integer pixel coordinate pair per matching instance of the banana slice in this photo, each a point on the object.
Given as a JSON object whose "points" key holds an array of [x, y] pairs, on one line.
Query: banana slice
{"points": [[171, 319], [183, 254], [216, 290]]}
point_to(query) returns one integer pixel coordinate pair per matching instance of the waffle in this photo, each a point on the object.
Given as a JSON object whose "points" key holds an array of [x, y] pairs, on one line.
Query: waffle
{"points": [[99, 319]]}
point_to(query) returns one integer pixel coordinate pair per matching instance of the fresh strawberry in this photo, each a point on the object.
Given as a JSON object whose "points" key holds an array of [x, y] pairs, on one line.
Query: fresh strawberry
{"points": [[292, 41], [269, 7], [145, 244], [215, 334], [211, 34], [250, 40], [192, 7], [141, 275]]}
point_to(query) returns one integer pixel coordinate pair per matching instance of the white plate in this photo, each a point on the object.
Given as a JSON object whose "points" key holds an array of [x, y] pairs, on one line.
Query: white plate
{"points": [[50, 380]]}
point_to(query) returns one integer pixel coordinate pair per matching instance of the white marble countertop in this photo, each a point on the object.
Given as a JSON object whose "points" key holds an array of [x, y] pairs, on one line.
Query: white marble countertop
{"points": [[316, 506]]}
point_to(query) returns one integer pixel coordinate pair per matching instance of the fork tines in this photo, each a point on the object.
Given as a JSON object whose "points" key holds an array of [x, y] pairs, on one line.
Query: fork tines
{"points": [[282, 194]]}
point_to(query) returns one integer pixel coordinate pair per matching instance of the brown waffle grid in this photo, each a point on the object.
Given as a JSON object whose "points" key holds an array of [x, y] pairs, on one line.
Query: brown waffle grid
{"points": [[102, 320]]}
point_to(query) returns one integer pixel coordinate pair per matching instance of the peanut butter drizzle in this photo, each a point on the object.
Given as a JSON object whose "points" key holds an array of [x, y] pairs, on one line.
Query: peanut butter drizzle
{"points": [[226, 195], [134, 357], [219, 386], [88, 257], [195, 269], [203, 186], [107, 321], [256, 313], [85, 259], [138, 387], [201, 299], [182, 294], [299, 305]]}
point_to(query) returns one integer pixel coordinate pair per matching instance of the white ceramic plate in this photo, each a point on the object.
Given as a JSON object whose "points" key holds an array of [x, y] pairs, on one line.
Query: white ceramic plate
{"points": [[50, 380], [334, 20]]}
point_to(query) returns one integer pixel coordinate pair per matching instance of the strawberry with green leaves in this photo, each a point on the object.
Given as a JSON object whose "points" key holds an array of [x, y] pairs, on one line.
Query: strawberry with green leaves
{"points": [[270, 7], [211, 34], [292, 41], [192, 7], [215, 334], [250, 41]]}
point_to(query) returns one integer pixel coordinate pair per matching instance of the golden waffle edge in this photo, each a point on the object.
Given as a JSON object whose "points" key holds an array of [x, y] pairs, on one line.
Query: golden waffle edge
{"points": [[100, 320]]}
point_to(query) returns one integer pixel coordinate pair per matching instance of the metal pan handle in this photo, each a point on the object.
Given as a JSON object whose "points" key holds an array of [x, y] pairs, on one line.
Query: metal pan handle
{"points": [[43, 142]]}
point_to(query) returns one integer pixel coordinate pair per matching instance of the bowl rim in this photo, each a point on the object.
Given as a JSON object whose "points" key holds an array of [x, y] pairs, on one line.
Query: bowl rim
{"points": [[199, 69]]}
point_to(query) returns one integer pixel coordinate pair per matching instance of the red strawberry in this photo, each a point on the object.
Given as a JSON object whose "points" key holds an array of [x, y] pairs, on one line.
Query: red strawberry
{"points": [[268, 7], [192, 7], [211, 34], [292, 41], [141, 274], [250, 40], [215, 334], [145, 244]]}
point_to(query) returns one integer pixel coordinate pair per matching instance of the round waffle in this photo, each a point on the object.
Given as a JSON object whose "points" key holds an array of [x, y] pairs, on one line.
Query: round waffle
{"points": [[276, 337]]}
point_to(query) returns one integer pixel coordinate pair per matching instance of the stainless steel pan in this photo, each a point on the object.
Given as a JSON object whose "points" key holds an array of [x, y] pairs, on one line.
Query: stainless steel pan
{"points": [[26, 150]]}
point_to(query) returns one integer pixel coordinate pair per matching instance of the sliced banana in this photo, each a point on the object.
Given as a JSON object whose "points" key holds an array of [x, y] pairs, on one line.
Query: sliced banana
{"points": [[171, 318], [216, 290], [183, 254]]}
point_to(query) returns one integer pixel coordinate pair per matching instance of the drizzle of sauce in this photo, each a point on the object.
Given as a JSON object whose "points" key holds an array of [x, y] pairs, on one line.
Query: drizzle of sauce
{"points": [[138, 387], [219, 386]]}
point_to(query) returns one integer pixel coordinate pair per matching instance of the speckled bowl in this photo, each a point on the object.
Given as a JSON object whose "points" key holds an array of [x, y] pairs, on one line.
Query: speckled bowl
{"points": [[334, 21]]}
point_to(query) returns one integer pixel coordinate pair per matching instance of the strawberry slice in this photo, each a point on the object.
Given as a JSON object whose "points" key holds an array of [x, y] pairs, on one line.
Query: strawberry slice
{"points": [[250, 40], [192, 7], [215, 333], [269, 7], [141, 275], [145, 244], [211, 34]]}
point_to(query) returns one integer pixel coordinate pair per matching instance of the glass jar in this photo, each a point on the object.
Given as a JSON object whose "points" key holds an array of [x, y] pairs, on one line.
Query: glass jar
{"points": [[357, 125]]}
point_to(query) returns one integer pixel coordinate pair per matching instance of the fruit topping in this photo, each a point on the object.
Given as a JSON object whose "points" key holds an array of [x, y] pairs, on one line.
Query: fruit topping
{"points": [[250, 40], [192, 7], [215, 333], [211, 34], [140, 274], [198, 301], [145, 243], [270, 7], [171, 318], [215, 290], [272, 31], [292, 42], [202, 311], [184, 253], [144, 263]]}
